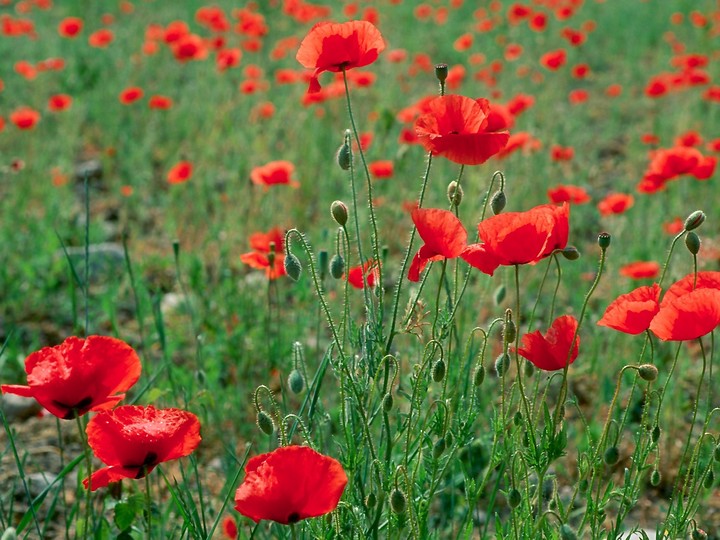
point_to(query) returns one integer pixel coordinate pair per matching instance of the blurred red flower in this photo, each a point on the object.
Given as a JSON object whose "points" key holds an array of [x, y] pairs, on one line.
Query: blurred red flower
{"points": [[70, 27], [615, 203], [59, 102], [561, 153], [339, 46], [666, 164], [130, 95], [443, 234], [519, 237], [290, 484], [641, 270], [267, 246], [132, 440], [383, 168], [554, 60], [24, 117], [552, 351], [180, 172], [101, 38], [367, 272], [568, 193], [274, 173], [160, 102], [79, 375], [632, 313], [461, 129]]}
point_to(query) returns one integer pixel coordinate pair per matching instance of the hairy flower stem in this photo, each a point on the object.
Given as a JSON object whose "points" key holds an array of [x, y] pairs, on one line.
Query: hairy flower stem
{"points": [[88, 465]]}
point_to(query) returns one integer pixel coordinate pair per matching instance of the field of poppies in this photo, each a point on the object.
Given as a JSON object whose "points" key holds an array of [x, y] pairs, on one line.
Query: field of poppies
{"points": [[364, 269]]}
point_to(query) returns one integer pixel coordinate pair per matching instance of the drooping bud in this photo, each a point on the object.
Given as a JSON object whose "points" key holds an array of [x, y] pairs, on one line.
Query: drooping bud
{"points": [[571, 253], [604, 240], [479, 376], [517, 418], [438, 371], [498, 202], [438, 448], [514, 498], [339, 211], [692, 242], [265, 423], [655, 434], [387, 402], [698, 534], [655, 478], [337, 266], [454, 193], [344, 156], [371, 500], [502, 364], [292, 266], [611, 455], [499, 295], [398, 501], [296, 382], [509, 331], [709, 479], [716, 453], [647, 372], [449, 439], [694, 220]]}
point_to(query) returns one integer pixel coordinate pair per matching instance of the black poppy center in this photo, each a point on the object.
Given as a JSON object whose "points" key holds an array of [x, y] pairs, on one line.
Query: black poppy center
{"points": [[294, 517], [73, 411]]}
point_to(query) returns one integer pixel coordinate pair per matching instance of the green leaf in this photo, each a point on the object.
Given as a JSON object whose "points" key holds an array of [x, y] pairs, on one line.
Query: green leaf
{"points": [[125, 514]]}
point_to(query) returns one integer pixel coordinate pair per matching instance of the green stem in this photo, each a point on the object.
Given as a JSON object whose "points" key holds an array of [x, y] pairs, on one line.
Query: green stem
{"points": [[88, 465]]}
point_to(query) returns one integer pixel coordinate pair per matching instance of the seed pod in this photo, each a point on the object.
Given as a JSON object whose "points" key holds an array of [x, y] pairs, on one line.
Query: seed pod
{"points": [[339, 212], [647, 372], [611, 455], [692, 242], [438, 371], [604, 240], [387, 402], [694, 220], [438, 448], [296, 382], [441, 72], [337, 266], [498, 202], [502, 364], [398, 501], [514, 498], [292, 266], [265, 423], [479, 376], [509, 331], [344, 156]]}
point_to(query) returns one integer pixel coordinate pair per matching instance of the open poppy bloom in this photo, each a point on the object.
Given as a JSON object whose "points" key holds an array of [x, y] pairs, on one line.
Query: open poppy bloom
{"points": [[290, 484], [632, 313], [339, 46], [569, 193], [615, 203], [132, 440], [267, 246], [79, 375], [641, 270], [444, 236], [460, 129], [519, 237], [274, 173], [25, 117], [551, 351], [180, 172], [689, 309], [361, 274]]}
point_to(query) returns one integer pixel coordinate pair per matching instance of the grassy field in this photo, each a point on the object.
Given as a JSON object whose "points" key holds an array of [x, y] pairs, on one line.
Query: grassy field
{"points": [[102, 237]]}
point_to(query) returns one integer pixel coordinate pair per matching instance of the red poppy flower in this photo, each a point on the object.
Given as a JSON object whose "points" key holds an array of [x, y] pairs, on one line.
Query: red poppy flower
{"points": [[263, 244], [367, 272], [572, 194], [520, 140], [70, 27], [180, 172], [615, 203], [701, 280], [631, 313], [339, 46], [554, 60], [688, 316], [189, 47], [551, 351], [227, 58], [101, 38], [132, 440], [460, 129], [444, 236], [274, 173], [79, 375], [383, 168], [561, 153], [59, 102], [519, 237], [160, 102], [130, 95], [641, 270], [24, 117], [290, 484]]}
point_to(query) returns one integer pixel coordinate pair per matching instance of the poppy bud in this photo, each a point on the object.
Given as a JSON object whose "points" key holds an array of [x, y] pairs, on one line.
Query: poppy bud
{"points": [[454, 193], [499, 295], [509, 331], [655, 478], [655, 434], [502, 364], [387, 402], [648, 372], [339, 211], [438, 371], [716, 453], [566, 533], [371, 500], [514, 498], [709, 479], [296, 382], [292, 266], [498, 202], [337, 266], [611, 455], [441, 72], [439, 448], [698, 534], [265, 423], [692, 242], [449, 438], [584, 485], [398, 501], [529, 369], [479, 376], [517, 419], [322, 262], [694, 220], [604, 240], [344, 156], [571, 253]]}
